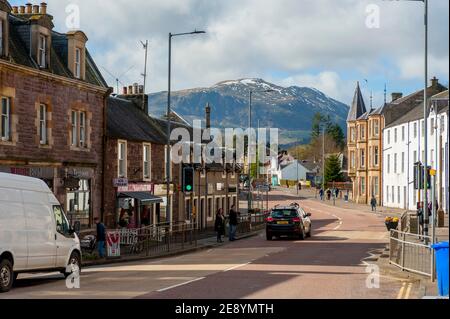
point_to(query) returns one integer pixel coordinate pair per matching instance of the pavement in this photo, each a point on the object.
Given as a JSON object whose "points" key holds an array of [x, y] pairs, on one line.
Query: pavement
{"points": [[340, 261]]}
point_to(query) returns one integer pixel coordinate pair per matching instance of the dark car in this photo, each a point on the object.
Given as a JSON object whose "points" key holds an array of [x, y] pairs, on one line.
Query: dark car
{"points": [[288, 221]]}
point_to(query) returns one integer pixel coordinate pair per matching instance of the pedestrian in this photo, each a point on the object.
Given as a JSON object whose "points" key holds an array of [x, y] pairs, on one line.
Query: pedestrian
{"points": [[101, 237], [337, 193], [373, 203], [329, 194], [299, 186], [233, 223], [321, 193], [219, 225]]}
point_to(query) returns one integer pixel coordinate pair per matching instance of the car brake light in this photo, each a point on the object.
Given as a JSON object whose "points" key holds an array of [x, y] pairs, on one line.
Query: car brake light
{"points": [[297, 220], [269, 219]]}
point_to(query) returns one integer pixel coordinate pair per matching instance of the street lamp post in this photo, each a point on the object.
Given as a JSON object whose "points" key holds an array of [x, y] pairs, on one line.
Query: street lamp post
{"points": [[168, 158], [249, 164], [425, 114]]}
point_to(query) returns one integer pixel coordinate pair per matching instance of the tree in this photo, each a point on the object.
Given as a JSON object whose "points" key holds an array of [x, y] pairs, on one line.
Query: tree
{"points": [[333, 172], [336, 132]]}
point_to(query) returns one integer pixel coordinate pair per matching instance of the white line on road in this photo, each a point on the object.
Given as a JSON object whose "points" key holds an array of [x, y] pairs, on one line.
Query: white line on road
{"points": [[408, 291], [182, 284], [236, 267], [400, 293]]}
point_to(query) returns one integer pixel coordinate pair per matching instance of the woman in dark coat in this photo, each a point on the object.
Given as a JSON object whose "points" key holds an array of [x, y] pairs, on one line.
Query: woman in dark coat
{"points": [[219, 225]]}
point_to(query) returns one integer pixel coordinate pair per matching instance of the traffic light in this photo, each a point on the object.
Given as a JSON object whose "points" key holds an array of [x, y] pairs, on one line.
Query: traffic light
{"points": [[429, 177], [187, 185], [418, 176]]}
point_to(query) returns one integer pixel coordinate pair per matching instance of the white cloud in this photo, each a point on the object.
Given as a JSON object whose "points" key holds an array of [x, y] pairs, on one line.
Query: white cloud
{"points": [[310, 42]]}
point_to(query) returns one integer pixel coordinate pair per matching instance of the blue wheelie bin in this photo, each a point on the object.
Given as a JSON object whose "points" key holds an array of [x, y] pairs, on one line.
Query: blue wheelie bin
{"points": [[441, 250]]}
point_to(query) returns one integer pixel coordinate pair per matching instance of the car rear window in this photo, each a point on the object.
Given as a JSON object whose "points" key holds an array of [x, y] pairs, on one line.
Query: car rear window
{"points": [[285, 213]]}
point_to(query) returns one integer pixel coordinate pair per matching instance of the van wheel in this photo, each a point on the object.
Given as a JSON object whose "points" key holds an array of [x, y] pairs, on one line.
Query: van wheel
{"points": [[6, 275], [74, 263]]}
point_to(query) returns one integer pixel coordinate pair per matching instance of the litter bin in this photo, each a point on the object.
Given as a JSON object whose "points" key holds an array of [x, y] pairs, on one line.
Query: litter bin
{"points": [[441, 250]]}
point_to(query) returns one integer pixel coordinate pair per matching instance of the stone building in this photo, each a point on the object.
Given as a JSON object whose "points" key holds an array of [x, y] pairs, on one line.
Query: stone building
{"points": [[52, 109], [365, 139]]}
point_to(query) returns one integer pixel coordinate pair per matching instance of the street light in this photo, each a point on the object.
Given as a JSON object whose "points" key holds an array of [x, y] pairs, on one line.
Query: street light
{"points": [[168, 158], [425, 112], [248, 142]]}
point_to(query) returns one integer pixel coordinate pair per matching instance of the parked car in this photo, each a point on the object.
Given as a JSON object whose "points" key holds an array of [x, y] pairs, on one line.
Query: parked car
{"points": [[290, 220], [34, 232]]}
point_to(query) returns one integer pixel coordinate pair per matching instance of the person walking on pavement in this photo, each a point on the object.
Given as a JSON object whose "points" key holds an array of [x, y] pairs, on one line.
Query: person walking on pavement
{"points": [[373, 203], [321, 193], [337, 192], [329, 194], [233, 223], [219, 225], [101, 237]]}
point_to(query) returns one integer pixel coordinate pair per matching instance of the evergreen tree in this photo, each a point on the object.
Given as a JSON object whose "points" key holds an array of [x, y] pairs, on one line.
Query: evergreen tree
{"points": [[336, 132], [333, 171]]}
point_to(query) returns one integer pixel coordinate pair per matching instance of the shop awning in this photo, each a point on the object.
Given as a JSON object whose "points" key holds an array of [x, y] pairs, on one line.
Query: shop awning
{"points": [[142, 196]]}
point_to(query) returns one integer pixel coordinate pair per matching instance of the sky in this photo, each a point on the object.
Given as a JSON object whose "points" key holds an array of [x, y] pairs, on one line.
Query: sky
{"points": [[325, 44]]}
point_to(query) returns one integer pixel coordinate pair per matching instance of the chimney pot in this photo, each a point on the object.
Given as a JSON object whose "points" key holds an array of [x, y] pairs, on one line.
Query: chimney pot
{"points": [[141, 89], [29, 8], [125, 90], [135, 88], [396, 96], [15, 9], [208, 116], [43, 8], [36, 9], [21, 9], [130, 89]]}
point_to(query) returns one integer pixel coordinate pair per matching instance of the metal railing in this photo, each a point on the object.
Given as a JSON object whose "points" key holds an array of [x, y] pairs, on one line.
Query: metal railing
{"points": [[410, 252]]}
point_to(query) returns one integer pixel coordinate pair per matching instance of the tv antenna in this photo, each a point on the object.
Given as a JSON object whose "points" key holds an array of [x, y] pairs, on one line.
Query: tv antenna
{"points": [[117, 78]]}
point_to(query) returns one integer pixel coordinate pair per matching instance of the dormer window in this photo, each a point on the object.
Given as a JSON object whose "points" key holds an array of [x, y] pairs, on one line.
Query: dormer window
{"points": [[77, 63], [42, 51]]}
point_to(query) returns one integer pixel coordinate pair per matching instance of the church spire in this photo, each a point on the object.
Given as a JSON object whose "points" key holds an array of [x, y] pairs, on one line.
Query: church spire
{"points": [[358, 106]]}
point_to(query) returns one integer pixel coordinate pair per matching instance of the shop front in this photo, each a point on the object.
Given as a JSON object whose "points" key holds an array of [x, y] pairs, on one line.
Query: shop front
{"points": [[47, 174], [137, 206]]}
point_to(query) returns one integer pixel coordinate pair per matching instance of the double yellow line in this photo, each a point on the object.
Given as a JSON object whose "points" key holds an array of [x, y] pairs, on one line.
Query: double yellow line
{"points": [[405, 291]]}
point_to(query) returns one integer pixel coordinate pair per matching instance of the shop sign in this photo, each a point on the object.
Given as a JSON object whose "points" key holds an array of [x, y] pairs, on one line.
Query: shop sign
{"points": [[37, 172], [80, 173], [113, 243], [120, 182], [71, 183], [136, 188]]}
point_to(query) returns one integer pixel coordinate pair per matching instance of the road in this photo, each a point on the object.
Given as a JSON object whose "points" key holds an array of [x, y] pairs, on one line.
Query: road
{"points": [[332, 264]]}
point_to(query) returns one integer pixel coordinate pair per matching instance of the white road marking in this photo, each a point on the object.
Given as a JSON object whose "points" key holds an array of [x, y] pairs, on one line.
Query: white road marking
{"points": [[400, 293], [182, 284], [408, 291], [236, 267]]}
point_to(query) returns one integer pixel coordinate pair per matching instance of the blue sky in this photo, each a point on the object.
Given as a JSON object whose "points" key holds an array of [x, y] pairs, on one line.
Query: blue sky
{"points": [[324, 44]]}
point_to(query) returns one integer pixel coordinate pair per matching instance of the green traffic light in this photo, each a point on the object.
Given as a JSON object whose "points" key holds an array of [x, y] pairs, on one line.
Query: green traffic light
{"points": [[188, 188]]}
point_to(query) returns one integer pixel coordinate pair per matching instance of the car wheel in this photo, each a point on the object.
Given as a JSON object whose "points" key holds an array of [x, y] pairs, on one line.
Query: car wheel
{"points": [[301, 236], [269, 236], [74, 263], [6, 275]]}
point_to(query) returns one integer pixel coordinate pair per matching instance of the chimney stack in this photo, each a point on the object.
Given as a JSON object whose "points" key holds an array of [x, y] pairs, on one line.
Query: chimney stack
{"points": [[29, 8], [141, 89], [396, 96], [21, 9], [43, 8], [434, 82], [125, 90], [135, 88], [35, 9], [130, 89], [208, 116]]}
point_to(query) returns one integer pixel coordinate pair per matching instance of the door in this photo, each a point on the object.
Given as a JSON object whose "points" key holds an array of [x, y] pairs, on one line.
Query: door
{"points": [[64, 240], [40, 230]]}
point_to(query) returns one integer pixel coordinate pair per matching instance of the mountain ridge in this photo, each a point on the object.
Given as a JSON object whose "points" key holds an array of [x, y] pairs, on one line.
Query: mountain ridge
{"points": [[291, 109]]}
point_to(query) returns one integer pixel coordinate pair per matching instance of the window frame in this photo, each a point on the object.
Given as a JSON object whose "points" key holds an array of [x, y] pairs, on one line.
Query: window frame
{"points": [[77, 67], [74, 123], [146, 161], [42, 51], [82, 129], [122, 157], [43, 131], [5, 120]]}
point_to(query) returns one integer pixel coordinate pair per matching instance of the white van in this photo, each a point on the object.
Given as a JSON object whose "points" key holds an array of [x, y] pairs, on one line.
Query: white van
{"points": [[34, 233]]}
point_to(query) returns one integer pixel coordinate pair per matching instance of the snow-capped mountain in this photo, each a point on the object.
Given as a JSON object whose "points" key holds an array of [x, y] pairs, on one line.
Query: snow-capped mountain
{"points": [[290, 109]]}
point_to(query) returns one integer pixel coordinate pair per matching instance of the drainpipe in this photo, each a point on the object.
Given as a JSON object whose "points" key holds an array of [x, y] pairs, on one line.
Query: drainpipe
{"points": [[104, 143]]}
